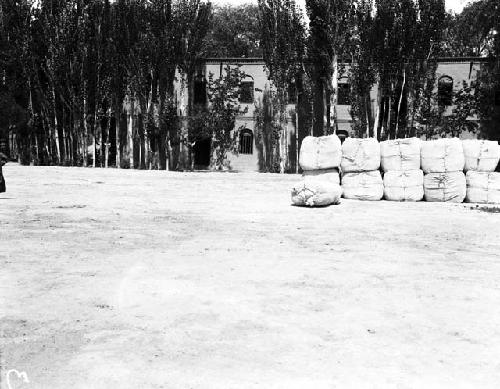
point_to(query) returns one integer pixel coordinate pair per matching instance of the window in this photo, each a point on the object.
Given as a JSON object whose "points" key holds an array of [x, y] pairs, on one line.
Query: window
{"points": [[246, 92], [292, 93], [200, 91], [445, 91], [246, 142], [344, 94]]}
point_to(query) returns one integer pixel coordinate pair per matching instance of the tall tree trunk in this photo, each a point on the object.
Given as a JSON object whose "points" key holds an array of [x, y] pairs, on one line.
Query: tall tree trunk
{"points": [[56, 126], [85, 131], [118, 138], [94, 145], [377, 116], [142, 140], [107, 144], [334, 95], [318, 108], [367, 114], [389, 112], [400, 102], [130, 133]]}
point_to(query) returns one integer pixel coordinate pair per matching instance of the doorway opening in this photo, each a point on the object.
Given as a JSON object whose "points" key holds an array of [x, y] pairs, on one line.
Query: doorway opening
{"points": [[202, 150]]}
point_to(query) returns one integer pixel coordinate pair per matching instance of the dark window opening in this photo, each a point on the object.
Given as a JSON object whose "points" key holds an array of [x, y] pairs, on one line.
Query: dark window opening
{"points": [[246, 92], [497, 98], [344, 94], [246, 142], [292, 93], [200, 92], [445, 91]]}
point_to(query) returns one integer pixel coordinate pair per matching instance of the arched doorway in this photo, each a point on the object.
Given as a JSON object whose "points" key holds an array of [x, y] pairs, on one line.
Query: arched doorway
{"points": [[246, 142], [202, 150]]}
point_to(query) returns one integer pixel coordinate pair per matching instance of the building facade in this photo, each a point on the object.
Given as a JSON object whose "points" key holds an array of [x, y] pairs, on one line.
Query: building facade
{"points": [[450, 74]]}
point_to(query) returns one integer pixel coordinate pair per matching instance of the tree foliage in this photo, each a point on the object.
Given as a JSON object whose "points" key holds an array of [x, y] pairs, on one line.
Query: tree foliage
{"points": [[217, 121], [234, 32], [284, 48], [94, 80]]}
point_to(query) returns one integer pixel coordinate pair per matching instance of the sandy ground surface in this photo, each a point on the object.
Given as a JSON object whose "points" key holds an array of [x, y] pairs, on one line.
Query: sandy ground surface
{"points": [[147, 279]]}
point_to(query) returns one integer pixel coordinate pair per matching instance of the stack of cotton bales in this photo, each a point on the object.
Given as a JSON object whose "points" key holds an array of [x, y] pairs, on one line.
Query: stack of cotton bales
{"points": [[361, 178], [481, 160], [400, 161], [319, 159], [443, 162]]}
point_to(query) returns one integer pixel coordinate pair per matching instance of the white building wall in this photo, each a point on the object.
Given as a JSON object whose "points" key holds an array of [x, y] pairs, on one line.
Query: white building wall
{"points": [[458, 70]]}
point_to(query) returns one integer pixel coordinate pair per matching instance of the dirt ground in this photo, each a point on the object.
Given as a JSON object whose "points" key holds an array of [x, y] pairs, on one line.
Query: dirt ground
{"points": [[148, 279]]}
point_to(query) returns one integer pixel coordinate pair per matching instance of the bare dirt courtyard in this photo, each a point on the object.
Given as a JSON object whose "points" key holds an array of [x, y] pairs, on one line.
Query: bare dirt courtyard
{"points": [[148, 279]]}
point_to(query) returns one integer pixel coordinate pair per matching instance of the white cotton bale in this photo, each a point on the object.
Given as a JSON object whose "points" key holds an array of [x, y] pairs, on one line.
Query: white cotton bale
{"points": [[481, 155], [360, 155], [445, 187], [442, 155], [325, 175], [316, 193], [483, 187], [363, 185], [405, 185], [400, 154], [324, 152]]}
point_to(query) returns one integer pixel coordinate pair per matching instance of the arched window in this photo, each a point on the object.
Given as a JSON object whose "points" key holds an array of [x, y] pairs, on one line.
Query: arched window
{"points": [[246, 91], [445, 90], [344, 92], [246, 141]]}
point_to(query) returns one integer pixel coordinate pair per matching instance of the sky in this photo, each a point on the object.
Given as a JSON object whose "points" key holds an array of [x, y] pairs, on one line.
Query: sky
{"points": [[453, 5]]}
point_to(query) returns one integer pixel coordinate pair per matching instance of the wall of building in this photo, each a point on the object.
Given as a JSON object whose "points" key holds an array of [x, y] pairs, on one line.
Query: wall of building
{"points": [[257, 73], [458, 69]]}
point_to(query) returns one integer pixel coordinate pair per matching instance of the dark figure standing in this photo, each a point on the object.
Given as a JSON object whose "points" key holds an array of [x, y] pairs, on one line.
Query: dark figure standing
{"points": [[3, 161]]}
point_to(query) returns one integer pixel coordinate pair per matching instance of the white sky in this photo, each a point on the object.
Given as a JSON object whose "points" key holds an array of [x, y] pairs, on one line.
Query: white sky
{"points": [[454, 5]]}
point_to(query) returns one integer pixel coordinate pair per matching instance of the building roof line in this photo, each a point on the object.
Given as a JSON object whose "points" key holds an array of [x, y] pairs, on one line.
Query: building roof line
{"points": [[260, 60]]}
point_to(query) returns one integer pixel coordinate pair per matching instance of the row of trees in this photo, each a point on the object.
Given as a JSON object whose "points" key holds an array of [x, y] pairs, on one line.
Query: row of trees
{"points": [[393, 44], [93, 81]]}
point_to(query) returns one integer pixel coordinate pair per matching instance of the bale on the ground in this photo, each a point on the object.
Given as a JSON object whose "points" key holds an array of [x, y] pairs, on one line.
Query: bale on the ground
{"points": [[363, 185], [405, 185], [325, 175], [324, 152], [400, 154], [446, 187], [316, 193], [483, 187], [360, 155], [481, 155], [442, 156]]}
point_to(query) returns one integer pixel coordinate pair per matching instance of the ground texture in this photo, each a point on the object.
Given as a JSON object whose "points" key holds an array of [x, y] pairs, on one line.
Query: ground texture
{"points": [[147, 279]]}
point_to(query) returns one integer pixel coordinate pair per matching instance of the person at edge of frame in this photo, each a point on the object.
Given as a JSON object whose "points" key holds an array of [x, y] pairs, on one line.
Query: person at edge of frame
{"points": [[3, 161]]}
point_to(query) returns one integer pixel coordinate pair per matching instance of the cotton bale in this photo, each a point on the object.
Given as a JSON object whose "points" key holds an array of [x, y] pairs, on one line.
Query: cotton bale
{"points": [[360, 155], [324, 152], [481, 155], [407, 185], [400, 154], [445, 187], [483, 187], [442, 156], [363, 185], [325, 175], [316, 193]]}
